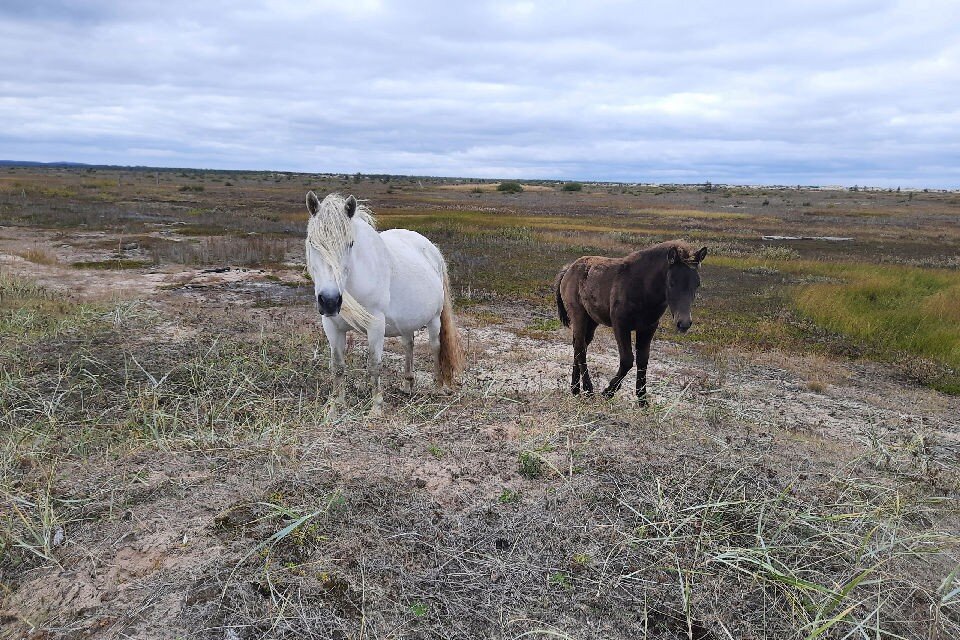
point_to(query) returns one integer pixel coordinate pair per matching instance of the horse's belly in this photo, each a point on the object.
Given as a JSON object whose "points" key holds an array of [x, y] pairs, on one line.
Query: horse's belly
{"points": [[416, 287]]}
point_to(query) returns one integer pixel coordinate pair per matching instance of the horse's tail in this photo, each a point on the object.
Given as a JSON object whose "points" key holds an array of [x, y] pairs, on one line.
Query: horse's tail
{"points": [[561, 308], [451, 352]]}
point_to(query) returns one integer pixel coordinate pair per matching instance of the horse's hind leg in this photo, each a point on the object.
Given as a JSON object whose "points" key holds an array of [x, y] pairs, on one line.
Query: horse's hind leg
{"points": [[408, 363], [433, 332], [625, 347]]}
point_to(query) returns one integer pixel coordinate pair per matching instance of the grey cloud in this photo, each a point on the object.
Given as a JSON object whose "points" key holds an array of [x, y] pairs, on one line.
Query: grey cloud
{"points": [[812, 92]]}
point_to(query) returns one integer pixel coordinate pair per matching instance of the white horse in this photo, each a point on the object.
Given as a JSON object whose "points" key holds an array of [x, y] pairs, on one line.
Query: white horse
{"points": [[383, 284]]}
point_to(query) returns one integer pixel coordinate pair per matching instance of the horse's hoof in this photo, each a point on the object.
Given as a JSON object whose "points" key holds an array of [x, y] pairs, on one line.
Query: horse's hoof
{"points": [[575, 390], [643, 403], [607, 393]]}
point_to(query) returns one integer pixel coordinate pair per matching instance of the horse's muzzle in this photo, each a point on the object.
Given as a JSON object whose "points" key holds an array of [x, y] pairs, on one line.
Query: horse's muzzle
{"points": [[683, 325], [329, 305]]}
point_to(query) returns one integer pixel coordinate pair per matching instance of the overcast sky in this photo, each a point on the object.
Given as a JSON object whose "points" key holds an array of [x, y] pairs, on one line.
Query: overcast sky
{"points": [[812, 92]]}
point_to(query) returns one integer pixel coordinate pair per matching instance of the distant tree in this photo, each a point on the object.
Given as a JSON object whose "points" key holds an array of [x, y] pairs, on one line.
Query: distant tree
{"points": [[572, 186], [510, 187]]}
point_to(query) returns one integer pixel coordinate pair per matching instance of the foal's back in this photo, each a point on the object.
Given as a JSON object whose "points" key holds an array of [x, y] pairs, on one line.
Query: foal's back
{"points": [[586, 286]]}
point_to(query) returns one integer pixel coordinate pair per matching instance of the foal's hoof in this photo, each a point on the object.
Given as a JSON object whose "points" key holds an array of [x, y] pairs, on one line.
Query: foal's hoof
{"points": [[607, 393], [642, 402]]}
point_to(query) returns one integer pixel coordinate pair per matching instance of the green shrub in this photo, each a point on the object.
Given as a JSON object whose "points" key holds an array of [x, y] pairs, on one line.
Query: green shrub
{"points": [[510, 187], [572, 186]]}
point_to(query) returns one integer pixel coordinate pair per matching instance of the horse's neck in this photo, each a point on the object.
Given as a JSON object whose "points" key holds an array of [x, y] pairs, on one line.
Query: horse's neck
{"points": [[369, 259]]}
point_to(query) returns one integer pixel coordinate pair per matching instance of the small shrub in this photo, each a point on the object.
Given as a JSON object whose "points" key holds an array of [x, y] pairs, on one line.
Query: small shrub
{"points": [[508, 496], [778, 253], [531, 465], [510, 187], [572, 186]]}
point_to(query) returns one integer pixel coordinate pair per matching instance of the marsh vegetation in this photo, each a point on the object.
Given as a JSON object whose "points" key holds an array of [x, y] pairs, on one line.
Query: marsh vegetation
{"points": [[170, 466]]}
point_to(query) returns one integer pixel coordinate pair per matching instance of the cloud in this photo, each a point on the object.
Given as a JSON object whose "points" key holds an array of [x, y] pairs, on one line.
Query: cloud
{"points": [[790, 92]]}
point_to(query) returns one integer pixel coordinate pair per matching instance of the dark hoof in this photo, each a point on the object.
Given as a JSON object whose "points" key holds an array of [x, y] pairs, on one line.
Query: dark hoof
{"points": [[643, 402], [607, 393], [575, 390]]}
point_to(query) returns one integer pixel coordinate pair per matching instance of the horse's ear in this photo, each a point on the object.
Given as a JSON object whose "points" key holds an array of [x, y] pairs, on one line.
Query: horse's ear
{"points": [[313, 203], [350, 207], [672, 255], [700, 255]]}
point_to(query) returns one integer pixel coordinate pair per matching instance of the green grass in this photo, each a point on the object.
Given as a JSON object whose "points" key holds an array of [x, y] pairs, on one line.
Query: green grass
{"points": [[891, 311]]}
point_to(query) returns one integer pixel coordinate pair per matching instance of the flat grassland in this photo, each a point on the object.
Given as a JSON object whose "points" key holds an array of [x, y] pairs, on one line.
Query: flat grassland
{"points": [[170, 467]]}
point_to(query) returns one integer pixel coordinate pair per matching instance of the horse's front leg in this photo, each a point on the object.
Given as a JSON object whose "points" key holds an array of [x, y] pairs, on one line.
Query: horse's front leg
{"points": [[622, 335], [374, 360], [337, 338]]}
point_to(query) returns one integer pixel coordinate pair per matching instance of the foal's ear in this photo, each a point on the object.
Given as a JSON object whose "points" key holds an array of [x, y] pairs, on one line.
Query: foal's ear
{"points": [[700, 255], [313, 203], [350, 207], [672, 255]]}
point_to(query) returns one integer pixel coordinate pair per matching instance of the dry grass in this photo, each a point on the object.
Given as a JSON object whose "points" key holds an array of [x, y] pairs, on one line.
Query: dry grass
{"points": [[39, 255], [594, 519]]}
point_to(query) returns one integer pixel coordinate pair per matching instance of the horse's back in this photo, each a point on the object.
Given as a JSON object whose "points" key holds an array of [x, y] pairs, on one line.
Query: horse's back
{"points": [[416, 283]]}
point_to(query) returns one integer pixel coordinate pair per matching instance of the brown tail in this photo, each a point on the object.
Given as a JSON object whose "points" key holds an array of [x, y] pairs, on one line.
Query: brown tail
{"points": [[451, 352], [561, 308]]}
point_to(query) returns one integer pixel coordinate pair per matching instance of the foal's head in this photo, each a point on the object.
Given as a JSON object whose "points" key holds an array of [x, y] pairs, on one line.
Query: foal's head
{"points": [[683, 280], [330, 238]]}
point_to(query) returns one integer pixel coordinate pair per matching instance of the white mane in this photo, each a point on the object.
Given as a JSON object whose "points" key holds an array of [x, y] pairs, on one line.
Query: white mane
{"points": [[330, 233]]}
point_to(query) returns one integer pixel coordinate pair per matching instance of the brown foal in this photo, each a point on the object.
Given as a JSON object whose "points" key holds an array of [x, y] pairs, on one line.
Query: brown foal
{"points": [[629, 294]]}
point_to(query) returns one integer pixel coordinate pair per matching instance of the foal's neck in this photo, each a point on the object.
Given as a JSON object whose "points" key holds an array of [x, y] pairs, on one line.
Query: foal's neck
{"points": [[648, 268]]}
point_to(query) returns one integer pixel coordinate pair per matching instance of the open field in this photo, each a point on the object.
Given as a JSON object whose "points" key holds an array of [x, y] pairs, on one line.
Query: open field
{"points": [[170, 467]]}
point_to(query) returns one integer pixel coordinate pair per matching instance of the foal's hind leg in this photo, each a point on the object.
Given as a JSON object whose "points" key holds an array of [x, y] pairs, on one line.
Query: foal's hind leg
{"points": [[408, 363], [622, 335], [582, 337]]}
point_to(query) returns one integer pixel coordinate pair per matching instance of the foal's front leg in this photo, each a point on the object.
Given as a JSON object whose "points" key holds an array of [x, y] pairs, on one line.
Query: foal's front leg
{"points": [[622, 335], [374, 359], [644, 337]]}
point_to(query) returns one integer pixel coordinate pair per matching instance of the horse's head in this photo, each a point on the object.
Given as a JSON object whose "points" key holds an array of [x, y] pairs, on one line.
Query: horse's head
{"points": [[329, 243], [683, 280]]}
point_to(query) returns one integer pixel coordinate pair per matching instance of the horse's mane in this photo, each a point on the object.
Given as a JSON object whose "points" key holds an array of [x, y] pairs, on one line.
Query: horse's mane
{"points": [[330, 233]]}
